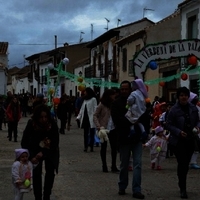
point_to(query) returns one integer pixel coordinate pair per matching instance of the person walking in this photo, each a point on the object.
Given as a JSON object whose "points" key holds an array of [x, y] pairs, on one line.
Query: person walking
{"points": [[13, 113], [86, 118], [127, 145], [103, 120], [158, 147], [64, 113], [21, 174], [41, 138], [181, 120]]}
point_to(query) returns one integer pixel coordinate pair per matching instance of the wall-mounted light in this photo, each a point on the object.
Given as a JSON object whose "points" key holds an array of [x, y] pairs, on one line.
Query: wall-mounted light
{"points": [[80, 73]]}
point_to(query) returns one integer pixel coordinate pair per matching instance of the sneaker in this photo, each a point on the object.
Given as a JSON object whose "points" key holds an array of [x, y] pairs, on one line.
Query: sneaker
{"points": [[121, 192], [153, 166], [194, 166], [138, 195]]}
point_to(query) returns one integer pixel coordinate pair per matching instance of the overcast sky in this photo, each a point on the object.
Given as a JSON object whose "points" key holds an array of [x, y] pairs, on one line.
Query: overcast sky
{"points": [[30, 26]]}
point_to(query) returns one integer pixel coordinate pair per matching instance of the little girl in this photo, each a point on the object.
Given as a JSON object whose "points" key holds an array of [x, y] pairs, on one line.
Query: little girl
{"points": [[158, 147], [21, 173]]}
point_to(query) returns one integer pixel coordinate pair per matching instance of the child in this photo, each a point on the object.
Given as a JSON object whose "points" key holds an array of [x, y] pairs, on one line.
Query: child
{"points": [[136, 105], [21, 173], [158, 147]]}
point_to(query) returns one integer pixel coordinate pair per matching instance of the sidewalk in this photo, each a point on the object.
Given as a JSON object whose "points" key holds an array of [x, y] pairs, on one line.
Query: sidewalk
{"points": [[80, 176]]}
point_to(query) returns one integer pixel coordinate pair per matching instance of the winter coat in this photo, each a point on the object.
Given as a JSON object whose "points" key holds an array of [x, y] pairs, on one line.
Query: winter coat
{"points": [[33, 136], [176, 121], [91, 105]]}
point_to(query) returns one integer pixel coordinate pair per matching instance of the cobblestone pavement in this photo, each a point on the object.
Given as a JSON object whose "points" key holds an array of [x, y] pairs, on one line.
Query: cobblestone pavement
{"points": [[80, 176]]}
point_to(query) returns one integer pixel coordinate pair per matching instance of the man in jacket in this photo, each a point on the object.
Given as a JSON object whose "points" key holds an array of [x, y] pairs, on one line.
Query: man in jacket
{"points": [[127, 144]]}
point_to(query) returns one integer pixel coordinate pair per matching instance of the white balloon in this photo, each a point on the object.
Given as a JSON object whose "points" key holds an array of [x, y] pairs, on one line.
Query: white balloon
{"points": [[65, 61], [50, 66]]}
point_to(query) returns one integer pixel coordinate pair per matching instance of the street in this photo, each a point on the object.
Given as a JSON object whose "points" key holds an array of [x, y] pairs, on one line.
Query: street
{"points": [[80, 174]]}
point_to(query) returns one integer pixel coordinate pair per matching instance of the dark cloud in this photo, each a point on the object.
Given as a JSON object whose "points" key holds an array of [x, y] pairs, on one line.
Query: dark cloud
{"points": [[36, 22]]}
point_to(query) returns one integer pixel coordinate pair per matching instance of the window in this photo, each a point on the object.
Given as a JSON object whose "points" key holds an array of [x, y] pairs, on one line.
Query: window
{"points": [[192, 27], [137, 48], [124, 60], [130, 68]]}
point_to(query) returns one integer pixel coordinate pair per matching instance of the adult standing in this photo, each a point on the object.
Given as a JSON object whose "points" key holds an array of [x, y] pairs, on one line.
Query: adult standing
{"points": [[64, 113], [13, 113], [127, 145], [103, 120], [86, 118], [181, 120], [41, 138]]}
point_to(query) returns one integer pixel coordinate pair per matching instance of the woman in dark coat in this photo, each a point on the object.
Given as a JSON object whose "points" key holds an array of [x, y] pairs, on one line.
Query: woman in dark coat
{"points": [[181, 120], [41, 138]]}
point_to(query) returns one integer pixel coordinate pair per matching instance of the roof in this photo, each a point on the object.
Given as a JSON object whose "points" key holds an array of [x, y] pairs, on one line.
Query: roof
{"points": [[113, 32], [13, 70], [184, 3], [3, 47]]}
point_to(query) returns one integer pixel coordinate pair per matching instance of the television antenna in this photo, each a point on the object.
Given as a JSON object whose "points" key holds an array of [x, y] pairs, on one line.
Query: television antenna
{"points": [[146, 9], [107, 23], [119, 20], [81, 38]]}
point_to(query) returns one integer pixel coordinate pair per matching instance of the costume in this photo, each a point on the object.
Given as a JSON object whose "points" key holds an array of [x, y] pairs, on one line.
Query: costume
{"points": [[158, 147], [22, 174], [137, 105]]}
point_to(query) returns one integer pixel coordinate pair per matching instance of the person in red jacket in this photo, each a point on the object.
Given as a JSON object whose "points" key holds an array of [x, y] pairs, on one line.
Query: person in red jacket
{"points": [[13, 115]]}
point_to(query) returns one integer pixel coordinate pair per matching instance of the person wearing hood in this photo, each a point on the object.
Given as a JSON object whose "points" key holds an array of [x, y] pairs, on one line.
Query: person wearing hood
{"points": [[127, 145], [193, 162], [137, 105], [182, 120]]}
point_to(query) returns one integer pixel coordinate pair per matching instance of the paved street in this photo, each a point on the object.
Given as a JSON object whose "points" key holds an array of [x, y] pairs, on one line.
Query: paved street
{"points": [[80, 176]]}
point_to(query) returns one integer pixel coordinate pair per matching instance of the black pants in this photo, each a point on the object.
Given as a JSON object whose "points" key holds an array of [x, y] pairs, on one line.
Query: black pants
{"points": [[12, 127], [183, 152], [89, 137], [113, 145], [48, 180], [62, 125]]}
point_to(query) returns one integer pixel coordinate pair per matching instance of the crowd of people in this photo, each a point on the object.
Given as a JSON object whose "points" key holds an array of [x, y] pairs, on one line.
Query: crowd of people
{"points": [[125, 118]]}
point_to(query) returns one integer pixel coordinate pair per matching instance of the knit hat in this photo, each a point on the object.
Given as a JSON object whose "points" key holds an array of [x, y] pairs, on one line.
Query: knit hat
{"points": [[192, 96], [19, 152], [158, 129]]}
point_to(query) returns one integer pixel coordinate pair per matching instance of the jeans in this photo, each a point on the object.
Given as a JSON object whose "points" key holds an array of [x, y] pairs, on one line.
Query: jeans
{"points": [[125, 152]]}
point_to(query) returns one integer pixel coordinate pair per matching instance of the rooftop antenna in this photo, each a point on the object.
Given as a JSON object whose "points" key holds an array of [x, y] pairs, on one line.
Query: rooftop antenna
{"points": [[91, 31], [119, 20], [107, 23], [145, 9], [81, 38]]}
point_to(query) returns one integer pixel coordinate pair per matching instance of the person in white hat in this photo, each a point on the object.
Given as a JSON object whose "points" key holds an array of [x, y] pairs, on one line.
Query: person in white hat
{"points": [[21, 173], [158, 147]]}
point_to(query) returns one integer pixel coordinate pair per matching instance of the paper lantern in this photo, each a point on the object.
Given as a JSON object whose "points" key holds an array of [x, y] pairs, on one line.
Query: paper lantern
{"points": [[51, 91], [153, 65], [81, 87], [184, 76], [148, 100], [162, 84], [80, 79], [56, 100], [50, 66], [65, 61], [192, 60]]}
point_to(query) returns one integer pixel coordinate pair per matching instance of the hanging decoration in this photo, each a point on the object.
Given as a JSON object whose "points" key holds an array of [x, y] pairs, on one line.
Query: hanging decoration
{"points": [[192, 60], [184, 76], [80, 79], [162, 83], [153, 65], [81, 87]]}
